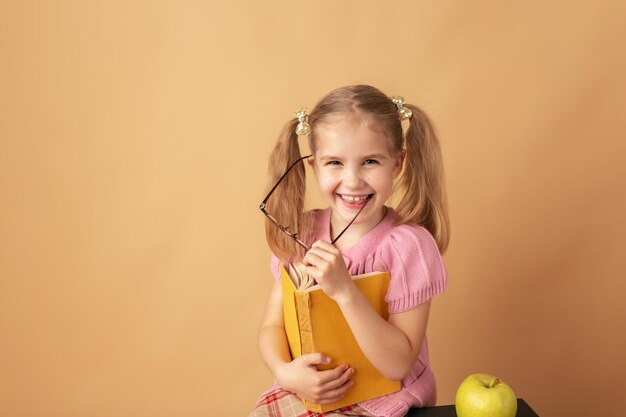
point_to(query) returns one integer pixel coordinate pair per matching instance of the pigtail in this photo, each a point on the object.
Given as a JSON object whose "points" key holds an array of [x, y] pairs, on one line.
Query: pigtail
{"points": [[287, 202], [422, 181]]}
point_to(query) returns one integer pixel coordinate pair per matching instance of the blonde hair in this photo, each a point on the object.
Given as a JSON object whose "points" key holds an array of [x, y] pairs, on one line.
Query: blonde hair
{"points": [[421, 182]]}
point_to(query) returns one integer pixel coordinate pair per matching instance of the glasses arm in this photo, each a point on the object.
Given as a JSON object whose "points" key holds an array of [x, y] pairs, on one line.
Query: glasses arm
{"points": [[293, 235], [349, 224], [281, 179]]}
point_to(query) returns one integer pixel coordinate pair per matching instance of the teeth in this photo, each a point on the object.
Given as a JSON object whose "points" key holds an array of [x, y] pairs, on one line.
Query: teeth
{"points": [[353, 198]]}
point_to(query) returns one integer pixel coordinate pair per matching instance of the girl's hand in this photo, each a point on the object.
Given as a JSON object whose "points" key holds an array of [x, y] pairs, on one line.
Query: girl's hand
{"points": [[321, 387], [325, 263]]}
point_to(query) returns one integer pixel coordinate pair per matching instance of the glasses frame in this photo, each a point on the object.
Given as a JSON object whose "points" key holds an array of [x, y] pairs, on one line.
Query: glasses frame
{"points": [[285, 229]]}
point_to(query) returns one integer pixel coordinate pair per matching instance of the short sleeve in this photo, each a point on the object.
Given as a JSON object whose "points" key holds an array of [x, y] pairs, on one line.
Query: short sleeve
{"points": [[411, 256]]}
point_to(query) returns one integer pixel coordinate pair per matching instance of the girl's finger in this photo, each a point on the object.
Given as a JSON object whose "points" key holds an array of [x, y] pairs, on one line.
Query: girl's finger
{"points": [[315, 273], [326, 246], [314, 359], [328, 376], [313, 259], [322, 253], [336, 394], [341, 379]]}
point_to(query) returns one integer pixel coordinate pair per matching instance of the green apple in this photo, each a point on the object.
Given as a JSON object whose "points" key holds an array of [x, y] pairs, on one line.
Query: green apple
{"points": [[482, 395]]}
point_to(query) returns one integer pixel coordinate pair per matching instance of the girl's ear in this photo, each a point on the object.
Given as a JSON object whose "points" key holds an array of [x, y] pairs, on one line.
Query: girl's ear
{"points": [[399, 163]]}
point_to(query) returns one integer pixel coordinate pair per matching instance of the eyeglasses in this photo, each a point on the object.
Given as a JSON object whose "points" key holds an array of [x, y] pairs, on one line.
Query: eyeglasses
{"points": [[285, 229]]}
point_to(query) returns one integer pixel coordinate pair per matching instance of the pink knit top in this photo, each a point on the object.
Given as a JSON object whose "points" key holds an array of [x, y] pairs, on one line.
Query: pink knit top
{"points": [[410, 254]]}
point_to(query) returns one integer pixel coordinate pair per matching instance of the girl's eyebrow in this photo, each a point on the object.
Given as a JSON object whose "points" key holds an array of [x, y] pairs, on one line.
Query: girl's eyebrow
{"points": [[329, 158], [375, 156], [337, 158]]}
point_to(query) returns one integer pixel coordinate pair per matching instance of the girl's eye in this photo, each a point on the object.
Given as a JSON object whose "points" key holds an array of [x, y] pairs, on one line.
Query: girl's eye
{"points": [[370, 161], [333, 163]]}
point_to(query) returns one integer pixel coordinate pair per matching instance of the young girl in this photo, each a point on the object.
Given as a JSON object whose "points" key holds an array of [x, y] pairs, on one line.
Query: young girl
{"points": [[359, 155]]}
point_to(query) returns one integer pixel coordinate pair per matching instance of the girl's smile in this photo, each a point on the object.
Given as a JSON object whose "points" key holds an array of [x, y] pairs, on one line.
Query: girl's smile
{"points": [[354, 168], [355, 201]]}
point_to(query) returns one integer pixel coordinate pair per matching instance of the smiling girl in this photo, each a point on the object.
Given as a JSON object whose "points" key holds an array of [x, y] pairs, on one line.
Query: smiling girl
{"points": [[360, 155]]}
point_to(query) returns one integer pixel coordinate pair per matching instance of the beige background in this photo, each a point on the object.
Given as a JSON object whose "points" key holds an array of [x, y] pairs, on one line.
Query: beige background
{"points": [[133, 145]]}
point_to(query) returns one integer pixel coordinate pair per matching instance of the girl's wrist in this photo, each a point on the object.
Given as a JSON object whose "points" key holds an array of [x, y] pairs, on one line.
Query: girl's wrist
{"points": [[280, 372], [348, 296]]}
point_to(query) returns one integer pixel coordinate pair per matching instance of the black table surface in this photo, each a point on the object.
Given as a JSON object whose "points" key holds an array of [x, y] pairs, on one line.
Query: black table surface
{"points": [[523, 410]]}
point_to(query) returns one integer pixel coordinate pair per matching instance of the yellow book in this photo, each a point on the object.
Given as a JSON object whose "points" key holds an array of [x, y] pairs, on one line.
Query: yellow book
{"points": [[314, 323]]}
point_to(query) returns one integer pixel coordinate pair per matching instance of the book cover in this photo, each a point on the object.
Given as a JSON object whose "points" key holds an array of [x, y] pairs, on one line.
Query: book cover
{"points": [[314, 323]]}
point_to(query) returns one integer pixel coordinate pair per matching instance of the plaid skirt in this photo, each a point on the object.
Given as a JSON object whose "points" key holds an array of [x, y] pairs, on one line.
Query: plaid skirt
{"points": [[282, 403]]}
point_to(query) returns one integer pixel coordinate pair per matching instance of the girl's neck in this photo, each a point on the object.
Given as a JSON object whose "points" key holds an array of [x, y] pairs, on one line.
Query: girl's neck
{"points": [[354, 233]]}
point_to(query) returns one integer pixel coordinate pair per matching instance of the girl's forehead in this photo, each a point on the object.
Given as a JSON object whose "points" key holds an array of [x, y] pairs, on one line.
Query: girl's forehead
{"points": [[347, 131]]}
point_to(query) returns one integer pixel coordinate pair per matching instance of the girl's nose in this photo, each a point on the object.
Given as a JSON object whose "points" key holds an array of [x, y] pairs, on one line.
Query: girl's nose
{"points": [[352, 177]]}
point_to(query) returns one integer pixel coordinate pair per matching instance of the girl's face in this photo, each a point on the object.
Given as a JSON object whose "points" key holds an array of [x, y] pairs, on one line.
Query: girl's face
{"points": [[353, 164]]}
